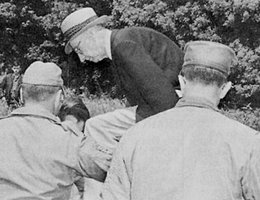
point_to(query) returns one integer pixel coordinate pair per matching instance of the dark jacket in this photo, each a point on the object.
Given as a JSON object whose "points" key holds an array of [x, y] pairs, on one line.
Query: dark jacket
{"points": [[146, 64], [7, 85]]}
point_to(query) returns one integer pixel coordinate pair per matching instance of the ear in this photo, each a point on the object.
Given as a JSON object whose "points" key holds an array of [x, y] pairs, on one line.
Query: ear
{"points": [[224, 89], [182, 82], [57, 102]]}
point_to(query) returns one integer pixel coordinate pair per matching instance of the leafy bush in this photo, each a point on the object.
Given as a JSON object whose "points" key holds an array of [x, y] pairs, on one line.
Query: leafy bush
{"points": [[234, 23], [30, 31]]}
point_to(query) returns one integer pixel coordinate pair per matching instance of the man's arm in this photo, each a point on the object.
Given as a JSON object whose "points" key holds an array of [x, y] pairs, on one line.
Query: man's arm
{"points": [[107, 129], [90, 159], [94, 160], [251, 179], [102, 135], [117, 184], [143, 80]]}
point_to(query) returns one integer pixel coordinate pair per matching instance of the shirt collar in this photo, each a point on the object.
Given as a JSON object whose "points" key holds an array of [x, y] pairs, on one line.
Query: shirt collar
{"points": [[196, 102], [36, 111], [108, 43]]}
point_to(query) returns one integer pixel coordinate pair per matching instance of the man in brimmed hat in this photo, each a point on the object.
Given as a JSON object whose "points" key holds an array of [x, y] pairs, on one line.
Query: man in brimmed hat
{"points": [[191, 151], [146, 62], [40, 157]]}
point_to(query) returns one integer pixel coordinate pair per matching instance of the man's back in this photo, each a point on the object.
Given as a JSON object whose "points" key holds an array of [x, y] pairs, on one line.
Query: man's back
{"points": [[37, 156], [186, 153], [161, 49], [147, 64]]}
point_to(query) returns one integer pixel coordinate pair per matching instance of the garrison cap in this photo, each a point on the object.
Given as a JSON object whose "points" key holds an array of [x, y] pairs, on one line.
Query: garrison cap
{"points": [[210, 55], [40, 73]]}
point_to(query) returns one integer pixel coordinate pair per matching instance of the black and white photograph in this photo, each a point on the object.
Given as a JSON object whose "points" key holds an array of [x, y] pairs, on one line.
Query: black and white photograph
{"points": [[129, 100]]}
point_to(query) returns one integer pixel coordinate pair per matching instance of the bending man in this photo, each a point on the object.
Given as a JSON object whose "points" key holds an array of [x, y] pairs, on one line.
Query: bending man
{"points": [[145, 62]]}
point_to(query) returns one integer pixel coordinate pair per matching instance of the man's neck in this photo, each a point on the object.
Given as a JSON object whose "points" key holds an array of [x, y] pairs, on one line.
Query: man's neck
{"points": [[208, 94], [42, 105]]}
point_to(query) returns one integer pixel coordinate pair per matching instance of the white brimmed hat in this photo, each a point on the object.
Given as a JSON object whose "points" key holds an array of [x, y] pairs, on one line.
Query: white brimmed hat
{"points": [[77, 22], [40, 73]]}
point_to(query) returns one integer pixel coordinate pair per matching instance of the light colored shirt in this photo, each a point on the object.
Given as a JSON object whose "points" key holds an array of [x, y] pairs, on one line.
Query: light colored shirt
{"points": [[107, 129], [190, 152], [41, 159]]}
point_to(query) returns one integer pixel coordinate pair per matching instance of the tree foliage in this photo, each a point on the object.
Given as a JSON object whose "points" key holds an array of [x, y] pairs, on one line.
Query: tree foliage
{"points": [[30, 31], [233, 22]]}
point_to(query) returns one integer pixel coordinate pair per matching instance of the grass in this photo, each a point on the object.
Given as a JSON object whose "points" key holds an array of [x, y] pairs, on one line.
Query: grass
{"points": [[98, 104], [103, 104]]}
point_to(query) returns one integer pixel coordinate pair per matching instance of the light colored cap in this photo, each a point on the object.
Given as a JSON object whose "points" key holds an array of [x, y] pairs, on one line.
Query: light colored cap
{"points": [[209, 54], [40, 73], [79, 21]]}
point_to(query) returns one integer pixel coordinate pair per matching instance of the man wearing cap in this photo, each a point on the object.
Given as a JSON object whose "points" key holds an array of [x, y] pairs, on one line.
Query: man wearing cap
{"points": [[40, 157], [191, 151], [145, 62]]}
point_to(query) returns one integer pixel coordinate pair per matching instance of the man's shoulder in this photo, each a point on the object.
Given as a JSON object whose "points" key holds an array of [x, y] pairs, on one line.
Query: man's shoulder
{"points": [[228, 128], [229, 122], [71, 127], [112, 125], [115, 114], [142, 38], [212, 120], [35, 114], [132, 33], [23, 122], [145, 126], [2, 118]]}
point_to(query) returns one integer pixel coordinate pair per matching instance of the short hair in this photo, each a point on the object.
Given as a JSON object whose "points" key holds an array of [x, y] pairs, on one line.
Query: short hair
{"points": [[204, 75], [74, 106], [38, 93]]}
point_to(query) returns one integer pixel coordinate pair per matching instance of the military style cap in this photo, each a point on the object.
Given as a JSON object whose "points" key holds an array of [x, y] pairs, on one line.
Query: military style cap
{"points": [[40, 73], [209, 54]]}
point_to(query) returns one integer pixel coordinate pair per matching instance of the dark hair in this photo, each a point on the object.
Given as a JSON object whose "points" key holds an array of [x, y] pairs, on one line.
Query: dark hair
{"points": [[204, 75], [74, 106]]}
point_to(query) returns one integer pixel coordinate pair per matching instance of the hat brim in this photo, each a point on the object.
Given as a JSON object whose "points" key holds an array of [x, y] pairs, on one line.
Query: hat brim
{"points": [[101, 20]]}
